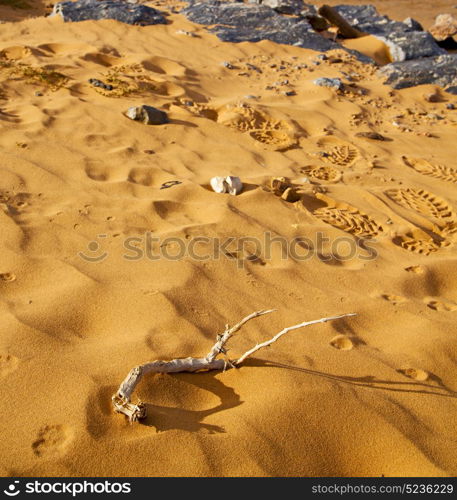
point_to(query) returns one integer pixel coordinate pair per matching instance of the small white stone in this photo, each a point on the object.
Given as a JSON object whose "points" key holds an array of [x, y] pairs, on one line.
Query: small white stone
{"points": [[229, 184]]}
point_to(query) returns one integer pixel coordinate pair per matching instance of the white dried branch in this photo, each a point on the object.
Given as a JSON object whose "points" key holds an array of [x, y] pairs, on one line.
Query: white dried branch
{"points": [[121, 400], [283, 332]]}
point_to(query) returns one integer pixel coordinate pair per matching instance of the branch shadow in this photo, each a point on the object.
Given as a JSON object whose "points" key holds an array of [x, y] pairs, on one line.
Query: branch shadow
{"points": [[368, 381], [165, 418]]}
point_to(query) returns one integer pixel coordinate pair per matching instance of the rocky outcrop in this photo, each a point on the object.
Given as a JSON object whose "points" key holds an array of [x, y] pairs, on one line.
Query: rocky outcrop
{"points": [[440, 70], [239, 22], [85, 10], [404, 39]]}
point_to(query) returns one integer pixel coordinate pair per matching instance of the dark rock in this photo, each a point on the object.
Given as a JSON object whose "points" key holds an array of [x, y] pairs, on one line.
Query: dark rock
{"points": [[147, 114], [452, 90], [440, 70], [432, 97], [405, 41], [412, 24], [371, 135], [450, 106], [234, 22], [407, 45], [84, 10], [334, 83], [98, 83], [285, 6], [318, 23], [170, 184]]}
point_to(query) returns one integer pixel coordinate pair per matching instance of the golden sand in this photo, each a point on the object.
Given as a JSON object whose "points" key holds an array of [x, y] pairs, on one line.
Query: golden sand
{"points": [[370, 395]]}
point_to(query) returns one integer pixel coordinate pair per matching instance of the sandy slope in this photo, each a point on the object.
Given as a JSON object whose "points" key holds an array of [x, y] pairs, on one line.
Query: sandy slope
{"points": [[73, 167]]}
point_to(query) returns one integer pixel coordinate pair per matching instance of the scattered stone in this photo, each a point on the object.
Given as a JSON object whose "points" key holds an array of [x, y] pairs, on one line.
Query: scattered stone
{"points": [[450, 106], [432, 96], [440, 70], [434, 116], [38, 93], [227, 65], [169, 184], [253, 67], [289, 93], [229, 184], [84, 10], [291, 195], [147, 115], [371, 135], [186, 33], [334, 83], [452, 90], [279, 184], [445, 27], [99, 83]]}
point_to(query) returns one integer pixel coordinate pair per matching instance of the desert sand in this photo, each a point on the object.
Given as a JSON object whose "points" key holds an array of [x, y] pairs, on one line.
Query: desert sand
{"points": [[369, 395]]}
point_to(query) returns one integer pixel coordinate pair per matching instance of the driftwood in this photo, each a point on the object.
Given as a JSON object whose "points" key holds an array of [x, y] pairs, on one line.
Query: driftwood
{"points": [[344, 28], [135, 412]]}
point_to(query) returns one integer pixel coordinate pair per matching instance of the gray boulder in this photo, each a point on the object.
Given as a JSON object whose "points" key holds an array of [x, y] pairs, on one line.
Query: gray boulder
{"points": [[333, 83], [147, 115], [285, 6], [84, 10], [440, 70], [405, 39], [235, 22], [412, 24]]}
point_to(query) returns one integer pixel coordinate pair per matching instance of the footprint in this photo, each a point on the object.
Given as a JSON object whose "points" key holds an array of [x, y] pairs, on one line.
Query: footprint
{"points": [[424, 167], [16, 52], [322, 173], [275, 139], [97, 173], [348, 218], [438, 305], [52, 441], [415, 374], [141, 176], [422, 202], [342, 342], [8, 364], [271, 132], [338, 152], [419, 242], [395, 299], [8, 277], [137, 79]]}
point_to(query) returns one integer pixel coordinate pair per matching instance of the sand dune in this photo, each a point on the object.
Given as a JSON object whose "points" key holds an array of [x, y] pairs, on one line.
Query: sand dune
{"points": [[371, 395]]}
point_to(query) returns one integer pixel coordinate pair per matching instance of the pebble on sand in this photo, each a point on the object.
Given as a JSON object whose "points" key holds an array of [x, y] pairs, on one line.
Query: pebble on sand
{"points": [[334, 83], [147, 114]]}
